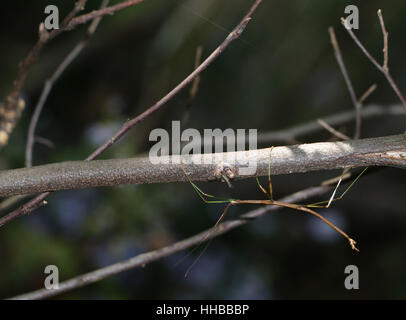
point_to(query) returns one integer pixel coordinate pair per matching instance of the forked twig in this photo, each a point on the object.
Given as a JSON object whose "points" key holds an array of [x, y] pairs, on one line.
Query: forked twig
{"points": [[384, 67], [50, 83], [355, 101]]}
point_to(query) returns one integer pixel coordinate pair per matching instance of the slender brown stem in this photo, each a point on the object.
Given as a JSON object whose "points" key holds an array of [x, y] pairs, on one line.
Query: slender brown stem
{"points": [[333, 131], [385, 42]]}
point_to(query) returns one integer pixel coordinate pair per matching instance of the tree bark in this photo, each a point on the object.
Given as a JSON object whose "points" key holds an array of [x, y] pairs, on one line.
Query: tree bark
{"points": [[382, 151]]}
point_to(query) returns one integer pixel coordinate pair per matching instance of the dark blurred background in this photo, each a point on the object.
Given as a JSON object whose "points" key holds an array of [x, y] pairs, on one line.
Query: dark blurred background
{"points": [[282, 72]]}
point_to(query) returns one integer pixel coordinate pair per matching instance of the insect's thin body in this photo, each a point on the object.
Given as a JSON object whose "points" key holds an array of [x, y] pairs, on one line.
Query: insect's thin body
{"points": [[299, 207]]}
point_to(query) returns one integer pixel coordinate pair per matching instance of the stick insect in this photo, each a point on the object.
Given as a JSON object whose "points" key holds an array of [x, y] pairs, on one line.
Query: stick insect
{"points": [[208, 198]]}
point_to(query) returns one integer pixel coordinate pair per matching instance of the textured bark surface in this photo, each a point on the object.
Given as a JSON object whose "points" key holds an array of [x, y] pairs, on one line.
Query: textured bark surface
{"points": [[383, 151]]}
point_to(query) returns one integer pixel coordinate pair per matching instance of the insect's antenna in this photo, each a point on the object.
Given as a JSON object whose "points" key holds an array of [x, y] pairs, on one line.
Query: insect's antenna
{"points": [[208, 236]]}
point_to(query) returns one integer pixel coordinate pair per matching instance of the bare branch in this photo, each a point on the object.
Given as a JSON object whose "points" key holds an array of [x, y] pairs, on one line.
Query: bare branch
{"points": [[367, 93], [384, 69], [100, 13], [203, 66], [146, 258], [333, 131]]}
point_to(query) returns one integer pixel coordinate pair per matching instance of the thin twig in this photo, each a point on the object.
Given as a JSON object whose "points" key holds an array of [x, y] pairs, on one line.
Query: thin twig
{"points": [[235, 34], [50, 83], [333, 131], [355, 102], [99, 13], [384, 70], [131, 123], [367, 93], [385, 42], [146, 258], [195, 85]]}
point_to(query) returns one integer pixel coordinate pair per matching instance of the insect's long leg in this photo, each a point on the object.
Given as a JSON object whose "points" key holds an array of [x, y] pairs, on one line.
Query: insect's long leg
{"points": [[304, 209], [208, 236], [262, 188]]}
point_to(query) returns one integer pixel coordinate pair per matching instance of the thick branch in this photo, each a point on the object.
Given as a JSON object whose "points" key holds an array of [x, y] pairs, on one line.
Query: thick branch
{"points": [[383, 151]]}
